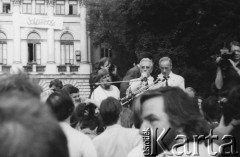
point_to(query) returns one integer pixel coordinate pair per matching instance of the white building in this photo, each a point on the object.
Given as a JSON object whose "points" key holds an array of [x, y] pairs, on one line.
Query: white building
{"points": [[46, 38]]}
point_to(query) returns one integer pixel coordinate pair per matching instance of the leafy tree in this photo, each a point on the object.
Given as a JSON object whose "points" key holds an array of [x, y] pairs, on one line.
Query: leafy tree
{"points": [[189, 31]]}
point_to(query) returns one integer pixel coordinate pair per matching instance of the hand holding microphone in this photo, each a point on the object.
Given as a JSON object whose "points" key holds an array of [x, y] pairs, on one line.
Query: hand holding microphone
{"points": [[144, 77]]}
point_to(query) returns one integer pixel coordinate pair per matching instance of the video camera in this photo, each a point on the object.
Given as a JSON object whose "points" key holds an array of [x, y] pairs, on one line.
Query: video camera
{"points": [[225, 55]]}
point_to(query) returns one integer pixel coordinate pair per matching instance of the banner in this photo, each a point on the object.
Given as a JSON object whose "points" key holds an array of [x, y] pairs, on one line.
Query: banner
{"points": [[38, 21]]}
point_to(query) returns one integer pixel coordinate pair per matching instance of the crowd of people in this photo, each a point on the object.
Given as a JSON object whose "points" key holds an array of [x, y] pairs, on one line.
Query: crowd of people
{"points": [[114, 120]]}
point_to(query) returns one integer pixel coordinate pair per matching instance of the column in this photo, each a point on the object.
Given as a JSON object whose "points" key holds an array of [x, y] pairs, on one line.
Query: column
{"points": [[89, 48], [16, 37], [84, 64], [51, 67], [83, 33], [50, 34]]}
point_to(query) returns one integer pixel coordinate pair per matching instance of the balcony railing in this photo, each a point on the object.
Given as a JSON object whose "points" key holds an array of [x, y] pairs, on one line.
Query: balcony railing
{"points": [[28, 68], [74, 68], [34, 68], [40, 68], [6, 68], [62, 68]]}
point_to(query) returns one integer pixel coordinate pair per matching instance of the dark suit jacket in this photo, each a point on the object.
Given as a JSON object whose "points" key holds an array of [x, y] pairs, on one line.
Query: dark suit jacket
{"points": [[132, 73]]}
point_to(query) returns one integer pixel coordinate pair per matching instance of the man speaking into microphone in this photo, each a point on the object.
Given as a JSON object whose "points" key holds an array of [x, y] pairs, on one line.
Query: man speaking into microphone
{"points": [[146, 67], [167, 77]]}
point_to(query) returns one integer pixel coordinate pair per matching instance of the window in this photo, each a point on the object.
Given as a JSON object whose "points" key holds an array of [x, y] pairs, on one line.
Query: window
{"points": [[67, 49], [73, 8], [40, 6], [6, 8], [34, 48], [60, 7], [3, 48], [27, 7], [106, 52]]}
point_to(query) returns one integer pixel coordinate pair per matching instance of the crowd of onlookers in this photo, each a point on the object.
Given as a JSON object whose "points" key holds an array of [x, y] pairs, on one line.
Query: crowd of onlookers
{"points": [[59, 123]]}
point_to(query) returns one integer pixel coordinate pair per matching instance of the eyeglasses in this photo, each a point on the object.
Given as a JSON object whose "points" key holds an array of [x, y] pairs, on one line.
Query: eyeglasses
{"points": [[145, 67]]}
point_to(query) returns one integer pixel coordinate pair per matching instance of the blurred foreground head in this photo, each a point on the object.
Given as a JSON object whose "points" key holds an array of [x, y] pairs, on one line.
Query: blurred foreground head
{"points": [[19, 82], [27, 128]]}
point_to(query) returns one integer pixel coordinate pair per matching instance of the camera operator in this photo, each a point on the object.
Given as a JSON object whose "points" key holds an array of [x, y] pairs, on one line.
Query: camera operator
{"points": [[228, 70]]}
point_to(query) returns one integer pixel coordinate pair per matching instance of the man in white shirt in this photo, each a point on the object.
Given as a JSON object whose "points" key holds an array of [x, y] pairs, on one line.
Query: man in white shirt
{"points": [[146, 67], [115, 141], [167, 77], [79, 145], [105, 89]]}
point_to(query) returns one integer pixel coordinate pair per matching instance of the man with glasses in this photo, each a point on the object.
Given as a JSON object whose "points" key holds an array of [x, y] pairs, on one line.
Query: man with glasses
{"points": [[228, 76], [146, 67]]}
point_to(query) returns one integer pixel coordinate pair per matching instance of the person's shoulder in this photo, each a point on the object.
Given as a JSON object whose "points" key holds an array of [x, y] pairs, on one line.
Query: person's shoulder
{"points": [[177, 76]]}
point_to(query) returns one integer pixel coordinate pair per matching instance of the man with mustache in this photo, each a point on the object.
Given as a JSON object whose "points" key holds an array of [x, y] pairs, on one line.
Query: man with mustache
{"points": [[105, 88]]}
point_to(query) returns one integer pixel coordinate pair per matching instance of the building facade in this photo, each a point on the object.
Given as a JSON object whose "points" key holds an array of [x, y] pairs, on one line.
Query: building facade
{"points": [[46, 38]]}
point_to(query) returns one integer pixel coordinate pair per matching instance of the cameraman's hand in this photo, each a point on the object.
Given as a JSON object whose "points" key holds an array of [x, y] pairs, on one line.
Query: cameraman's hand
{"points": [[218, 59], [234, 66]]}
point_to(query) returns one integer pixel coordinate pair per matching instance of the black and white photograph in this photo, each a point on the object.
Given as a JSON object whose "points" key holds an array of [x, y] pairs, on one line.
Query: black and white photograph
{"points": [[119, 78]]}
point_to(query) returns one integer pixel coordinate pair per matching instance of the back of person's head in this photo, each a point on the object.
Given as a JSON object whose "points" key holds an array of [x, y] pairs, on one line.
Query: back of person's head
{"points": [[57, 83], [70, 89], [110, 110], [28, 129], [182, 111], [126, 117], [231, 109], [211, 109], [19, 82], [145, 55], [61, 105], [89, 118]]}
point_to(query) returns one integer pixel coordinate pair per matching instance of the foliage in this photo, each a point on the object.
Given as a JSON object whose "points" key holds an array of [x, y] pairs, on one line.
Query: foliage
{"points": [[189, 31]]}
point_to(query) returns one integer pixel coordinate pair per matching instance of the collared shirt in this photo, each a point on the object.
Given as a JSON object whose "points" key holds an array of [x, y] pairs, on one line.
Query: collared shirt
{"points": [[174, 80], [116, 141], [136, 84], [79, 145], [99, 94]]}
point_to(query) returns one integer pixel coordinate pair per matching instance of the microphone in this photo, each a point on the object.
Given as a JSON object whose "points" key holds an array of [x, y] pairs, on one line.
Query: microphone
{"points": [[144, 79]]}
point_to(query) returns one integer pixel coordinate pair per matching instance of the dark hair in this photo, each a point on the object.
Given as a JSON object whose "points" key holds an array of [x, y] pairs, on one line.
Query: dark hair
{"points": [[235, 43], [19, 82], [57, 83], [28, 129], [145, 55], [231, 109], [110, 110], [182, 111], [61, 104], [136, 108], [70, 89], [89, 119], [102, 61], [211, 109]]}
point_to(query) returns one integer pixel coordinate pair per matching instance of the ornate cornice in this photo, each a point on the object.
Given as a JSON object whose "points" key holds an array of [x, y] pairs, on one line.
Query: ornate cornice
{"points": [[16, 2]]}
